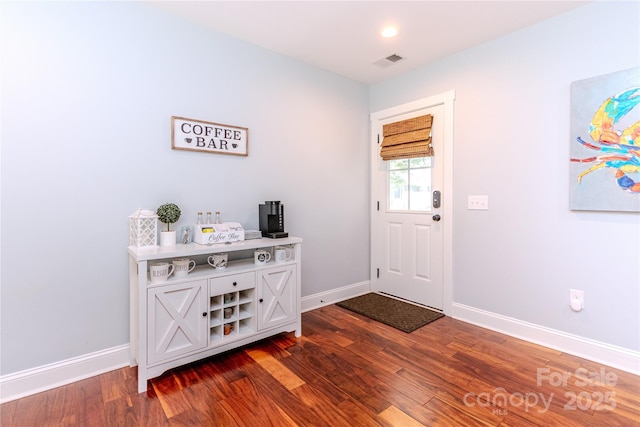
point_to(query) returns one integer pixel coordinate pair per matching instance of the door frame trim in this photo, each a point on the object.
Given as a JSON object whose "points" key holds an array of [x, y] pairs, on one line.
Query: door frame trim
{"points": [[447, 100]]}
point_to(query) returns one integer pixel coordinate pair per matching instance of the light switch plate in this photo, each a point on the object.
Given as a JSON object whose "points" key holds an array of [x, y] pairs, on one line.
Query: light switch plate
{"points": [[478, 203]]}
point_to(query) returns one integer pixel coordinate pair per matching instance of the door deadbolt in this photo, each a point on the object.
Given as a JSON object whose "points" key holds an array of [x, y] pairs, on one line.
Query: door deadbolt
{"points": [[436, 199]]}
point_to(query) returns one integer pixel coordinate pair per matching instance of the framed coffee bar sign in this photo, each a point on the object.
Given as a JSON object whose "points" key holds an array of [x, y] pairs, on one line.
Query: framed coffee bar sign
{"points": [[198, 135]]}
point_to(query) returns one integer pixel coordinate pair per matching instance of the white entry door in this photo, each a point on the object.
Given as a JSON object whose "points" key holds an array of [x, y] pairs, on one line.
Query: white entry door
{"points": [[407, 226]]}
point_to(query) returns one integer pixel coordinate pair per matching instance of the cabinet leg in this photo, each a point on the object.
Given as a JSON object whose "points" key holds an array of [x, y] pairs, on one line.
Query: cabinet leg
{"points": [[298, 331], [142, 382]]}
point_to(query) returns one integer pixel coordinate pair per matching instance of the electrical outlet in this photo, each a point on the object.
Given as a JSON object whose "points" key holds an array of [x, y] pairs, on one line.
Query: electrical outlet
{"points": [[478, 203], [576, 299]]}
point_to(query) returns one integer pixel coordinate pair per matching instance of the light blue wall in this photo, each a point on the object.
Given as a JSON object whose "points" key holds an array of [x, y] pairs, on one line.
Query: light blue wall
{"points": [[512, 114], [88, 89]]}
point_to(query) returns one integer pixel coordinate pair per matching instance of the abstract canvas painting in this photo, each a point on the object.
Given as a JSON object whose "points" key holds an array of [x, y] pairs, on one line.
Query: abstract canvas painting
{"points": [[605, 143]]}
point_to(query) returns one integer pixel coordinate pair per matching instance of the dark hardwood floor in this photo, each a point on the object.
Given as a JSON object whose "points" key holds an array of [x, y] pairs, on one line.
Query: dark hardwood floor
{"points": [[347, 370]]}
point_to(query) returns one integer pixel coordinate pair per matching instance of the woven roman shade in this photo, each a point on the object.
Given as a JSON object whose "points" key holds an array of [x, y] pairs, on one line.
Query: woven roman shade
{"points": [[407, 139]]}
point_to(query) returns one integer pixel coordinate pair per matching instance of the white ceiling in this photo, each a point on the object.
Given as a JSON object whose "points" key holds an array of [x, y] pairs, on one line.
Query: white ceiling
{"points": [[344, 36]]}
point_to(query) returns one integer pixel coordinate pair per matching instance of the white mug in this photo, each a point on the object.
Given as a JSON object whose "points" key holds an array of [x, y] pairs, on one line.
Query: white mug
{"points": [[261, 257], [218, 261], [182, 267], [160, 272], [282, 254]]}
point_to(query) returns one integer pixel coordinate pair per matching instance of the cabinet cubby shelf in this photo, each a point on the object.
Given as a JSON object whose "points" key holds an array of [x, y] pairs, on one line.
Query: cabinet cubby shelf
{"points": [[207, 271], [239, 304]]}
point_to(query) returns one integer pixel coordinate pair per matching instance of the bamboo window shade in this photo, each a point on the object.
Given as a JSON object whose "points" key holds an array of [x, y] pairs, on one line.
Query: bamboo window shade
{"points": [[407, 139]]}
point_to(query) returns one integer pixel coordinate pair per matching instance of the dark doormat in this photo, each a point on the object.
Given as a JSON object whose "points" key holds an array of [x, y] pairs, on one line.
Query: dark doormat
{"points": [[399, 314]]}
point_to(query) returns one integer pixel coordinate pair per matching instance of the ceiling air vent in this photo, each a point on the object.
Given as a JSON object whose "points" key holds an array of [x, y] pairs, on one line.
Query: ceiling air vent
{"points": [[389, 60]]}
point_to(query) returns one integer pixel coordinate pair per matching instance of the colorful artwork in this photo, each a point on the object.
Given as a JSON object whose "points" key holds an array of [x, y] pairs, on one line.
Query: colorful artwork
{"points": [[605, 152]]}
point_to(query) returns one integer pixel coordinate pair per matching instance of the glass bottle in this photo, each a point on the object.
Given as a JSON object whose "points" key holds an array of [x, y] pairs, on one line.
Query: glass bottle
{"points": [[186, 235], [199, 218], [218, 220], [208, 217]]}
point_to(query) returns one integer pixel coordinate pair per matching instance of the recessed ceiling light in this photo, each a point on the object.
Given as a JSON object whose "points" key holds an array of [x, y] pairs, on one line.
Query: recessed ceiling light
{"points": [[388, 32]]}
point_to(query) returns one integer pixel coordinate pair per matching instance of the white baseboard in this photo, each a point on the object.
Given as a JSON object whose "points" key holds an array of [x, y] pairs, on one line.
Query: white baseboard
{"points": [[607, 354], [31, 381], [312, 302]]}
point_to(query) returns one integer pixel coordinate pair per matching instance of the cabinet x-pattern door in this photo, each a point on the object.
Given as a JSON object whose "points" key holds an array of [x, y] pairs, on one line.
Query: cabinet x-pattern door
{"points": [[276, 296], [177, 319]]}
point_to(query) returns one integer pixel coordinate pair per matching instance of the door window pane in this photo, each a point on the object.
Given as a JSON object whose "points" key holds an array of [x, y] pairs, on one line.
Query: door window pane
{"points": [[398, 164], [410, 184], [398, 185], [420, 162], [420, 189]]}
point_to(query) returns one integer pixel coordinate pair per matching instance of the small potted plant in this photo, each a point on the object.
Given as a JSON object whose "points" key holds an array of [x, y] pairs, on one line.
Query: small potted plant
{"points": [[168, 213]]}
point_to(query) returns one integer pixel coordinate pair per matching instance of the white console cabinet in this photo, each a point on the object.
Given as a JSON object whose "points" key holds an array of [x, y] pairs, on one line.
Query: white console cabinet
{"points": [[209, 311]]}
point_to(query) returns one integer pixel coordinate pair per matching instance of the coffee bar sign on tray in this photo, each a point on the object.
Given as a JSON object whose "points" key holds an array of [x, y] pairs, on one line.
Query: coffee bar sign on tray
{"points": [[198, 135]]}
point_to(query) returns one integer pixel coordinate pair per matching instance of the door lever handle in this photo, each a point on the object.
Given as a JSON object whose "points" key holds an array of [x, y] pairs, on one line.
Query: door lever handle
{"points": [[436, 218]]}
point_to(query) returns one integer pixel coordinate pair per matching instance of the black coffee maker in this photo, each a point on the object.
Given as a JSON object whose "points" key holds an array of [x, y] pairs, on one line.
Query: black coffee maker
{"points": [[272, 220]]}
